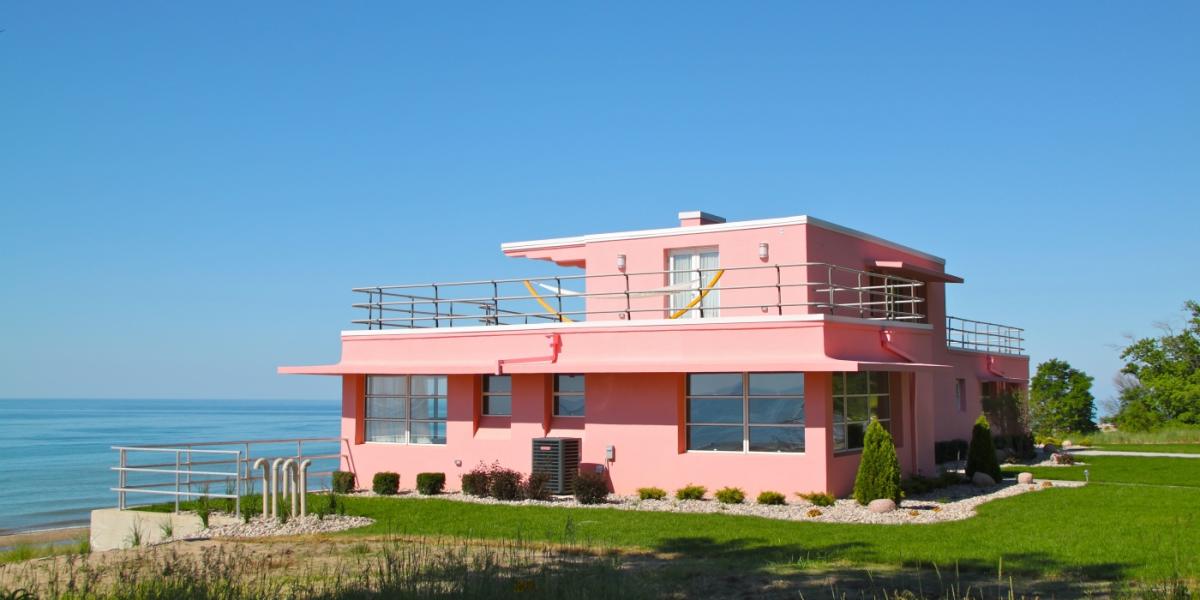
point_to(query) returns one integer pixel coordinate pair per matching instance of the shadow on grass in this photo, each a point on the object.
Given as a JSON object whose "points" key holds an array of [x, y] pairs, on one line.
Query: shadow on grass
{"points": [[753, 563]]}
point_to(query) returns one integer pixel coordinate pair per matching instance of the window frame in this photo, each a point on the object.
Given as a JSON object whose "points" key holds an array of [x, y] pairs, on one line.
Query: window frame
{"points": [[486, 395], [843, 397], [695, 260], [407, 419], [582, 395], [745, 423], [960, 394]]}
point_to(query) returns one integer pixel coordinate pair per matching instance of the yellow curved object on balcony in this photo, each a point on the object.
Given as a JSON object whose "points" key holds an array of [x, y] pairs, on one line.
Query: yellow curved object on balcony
{"points": [[704, 292], [549, 309]]}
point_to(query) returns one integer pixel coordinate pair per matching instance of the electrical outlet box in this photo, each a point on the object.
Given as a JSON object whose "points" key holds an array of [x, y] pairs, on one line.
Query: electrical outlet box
{"points": [[610, 453]]}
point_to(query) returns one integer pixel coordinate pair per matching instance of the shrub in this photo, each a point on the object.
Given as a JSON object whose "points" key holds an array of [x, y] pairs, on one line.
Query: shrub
{"points": [[814, 512], [949, 478], [386, 483], [879, 470], [918, 484], [591, 488], [343, 482], [504, 484], [1020, 445], [477, 481], [771, 498], [431, 484], [981, 456], [651, 493], [818, 498], [730, 495], [536, 487], [949, 450], [691, 492]]}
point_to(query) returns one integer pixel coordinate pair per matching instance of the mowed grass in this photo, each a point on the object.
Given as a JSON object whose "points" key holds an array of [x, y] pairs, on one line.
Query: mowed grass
{"points": [[1176, 448], [1094, 533], [1123, 470]]}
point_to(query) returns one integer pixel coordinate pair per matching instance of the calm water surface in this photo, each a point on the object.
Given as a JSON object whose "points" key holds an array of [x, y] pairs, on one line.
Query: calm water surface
{"points": [[55, 455]]}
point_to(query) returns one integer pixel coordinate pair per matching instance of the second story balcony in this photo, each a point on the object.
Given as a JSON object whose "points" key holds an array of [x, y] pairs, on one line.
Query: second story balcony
{"points": [[708, 291]]}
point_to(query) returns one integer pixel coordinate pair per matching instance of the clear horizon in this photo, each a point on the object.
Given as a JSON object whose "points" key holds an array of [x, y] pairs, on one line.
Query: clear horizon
{"points": [[190, 191]]}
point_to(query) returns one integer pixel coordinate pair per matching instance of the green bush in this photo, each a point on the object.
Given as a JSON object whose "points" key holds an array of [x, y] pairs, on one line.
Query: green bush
{"points": [[536, 487], [879, 469], [818, 498], [771, 498], [504, 484], [651, 493], [431, 484], [477, 481], [730, 495], [981, 456], [691, 492], [386, 483], [591, 488], [343, 482]]}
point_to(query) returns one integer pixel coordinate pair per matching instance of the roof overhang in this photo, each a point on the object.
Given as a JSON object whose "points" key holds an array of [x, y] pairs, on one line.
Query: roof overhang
{"points": [[523, 248], [911, 271]]}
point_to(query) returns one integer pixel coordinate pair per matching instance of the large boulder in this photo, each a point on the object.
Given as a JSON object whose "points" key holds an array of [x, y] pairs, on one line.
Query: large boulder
{"points": [[1049, 448], [1025, 478], [982, 479], [882, 505]]}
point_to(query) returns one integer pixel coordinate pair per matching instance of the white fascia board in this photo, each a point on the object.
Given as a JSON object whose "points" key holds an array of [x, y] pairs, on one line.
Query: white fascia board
{"points": [[713, 228]]}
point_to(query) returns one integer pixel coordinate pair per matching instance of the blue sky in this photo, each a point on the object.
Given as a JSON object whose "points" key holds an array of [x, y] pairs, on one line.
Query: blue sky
{"points": [[189, 191]]}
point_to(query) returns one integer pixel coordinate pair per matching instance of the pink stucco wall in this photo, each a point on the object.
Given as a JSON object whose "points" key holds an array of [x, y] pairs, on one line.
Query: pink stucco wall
{"points": [[639, 414]]}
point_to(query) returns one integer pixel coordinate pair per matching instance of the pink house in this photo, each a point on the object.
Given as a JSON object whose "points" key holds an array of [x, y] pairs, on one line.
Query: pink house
{"points": [[748, 354]]}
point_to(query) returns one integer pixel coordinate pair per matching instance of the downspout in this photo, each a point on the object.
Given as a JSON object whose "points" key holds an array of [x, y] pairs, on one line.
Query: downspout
{"points": [[555, 341], [885, 340]]}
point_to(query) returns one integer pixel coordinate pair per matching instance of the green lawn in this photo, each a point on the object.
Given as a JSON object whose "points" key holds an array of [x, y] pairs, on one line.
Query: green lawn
{"points": [[1097, 533], [1179, 448], [1124, 469]]}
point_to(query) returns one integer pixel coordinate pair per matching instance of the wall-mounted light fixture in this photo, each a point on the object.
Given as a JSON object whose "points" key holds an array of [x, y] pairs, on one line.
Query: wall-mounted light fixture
{"points": [[764, 250], [620, 262]]}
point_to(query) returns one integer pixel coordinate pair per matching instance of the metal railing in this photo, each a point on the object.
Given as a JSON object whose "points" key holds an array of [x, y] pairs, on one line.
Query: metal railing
{"points": [[802, 288], [204, 464], [981, 336]]}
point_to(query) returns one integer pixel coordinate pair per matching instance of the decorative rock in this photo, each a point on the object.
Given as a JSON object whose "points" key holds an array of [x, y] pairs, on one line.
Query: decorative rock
{"points": [[882, 505], [983, 479], [1049, 448], [1025, 478], [1068, 443]]}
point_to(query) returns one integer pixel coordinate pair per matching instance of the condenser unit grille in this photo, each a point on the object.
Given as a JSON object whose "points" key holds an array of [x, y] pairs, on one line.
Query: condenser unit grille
{"points": [[558, 460]]}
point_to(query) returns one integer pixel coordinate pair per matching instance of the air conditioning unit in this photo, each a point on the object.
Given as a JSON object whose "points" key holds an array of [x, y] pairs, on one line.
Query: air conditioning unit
{"points": [[558, 460]]}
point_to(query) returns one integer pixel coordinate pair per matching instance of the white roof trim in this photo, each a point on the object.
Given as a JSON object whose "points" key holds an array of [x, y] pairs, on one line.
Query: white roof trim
{"points": [[713, 228]]}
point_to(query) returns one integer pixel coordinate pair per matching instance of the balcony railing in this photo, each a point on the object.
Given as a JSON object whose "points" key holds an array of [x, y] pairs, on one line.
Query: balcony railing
{"points": [[981, 336], [805, 288]]}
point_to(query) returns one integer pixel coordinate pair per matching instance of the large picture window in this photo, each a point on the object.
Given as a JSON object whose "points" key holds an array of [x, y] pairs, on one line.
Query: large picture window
{"points": [[497, 395], [745, 412], [568, 396], [856, 398], [406, 409]]}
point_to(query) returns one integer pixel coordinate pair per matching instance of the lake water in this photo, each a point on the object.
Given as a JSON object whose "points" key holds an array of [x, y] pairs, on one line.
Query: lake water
{"points": [[55, 455]]}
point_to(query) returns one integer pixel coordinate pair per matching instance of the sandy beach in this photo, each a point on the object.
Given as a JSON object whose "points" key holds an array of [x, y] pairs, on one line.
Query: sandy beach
{"points": [[46, 536]]}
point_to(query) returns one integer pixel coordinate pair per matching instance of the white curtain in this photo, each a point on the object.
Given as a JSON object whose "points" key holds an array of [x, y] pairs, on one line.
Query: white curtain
{"points": [[683, 267]]}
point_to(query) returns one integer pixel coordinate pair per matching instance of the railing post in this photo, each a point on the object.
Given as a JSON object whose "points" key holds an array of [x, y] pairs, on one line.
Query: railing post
{"points": [[778, 291], [436, 307], [628, 305], [558, 296], [176, 481], [860, 297], [237, 487], [121, 478], [829, 286]]}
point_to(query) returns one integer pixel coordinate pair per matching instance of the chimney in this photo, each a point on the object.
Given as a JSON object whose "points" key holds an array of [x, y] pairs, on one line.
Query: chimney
{"points": [[692, 218]]}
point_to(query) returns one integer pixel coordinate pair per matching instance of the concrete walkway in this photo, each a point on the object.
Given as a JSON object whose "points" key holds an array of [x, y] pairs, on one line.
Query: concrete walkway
{"points": [[1125, 453]]}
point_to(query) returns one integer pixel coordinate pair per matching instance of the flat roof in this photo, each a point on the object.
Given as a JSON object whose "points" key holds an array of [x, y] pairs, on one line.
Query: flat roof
{"points": [[580, 240]]}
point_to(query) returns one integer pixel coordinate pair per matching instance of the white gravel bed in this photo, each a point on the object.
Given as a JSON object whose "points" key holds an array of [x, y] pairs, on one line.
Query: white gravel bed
{"points": [[266, 526], [952, 503]]}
